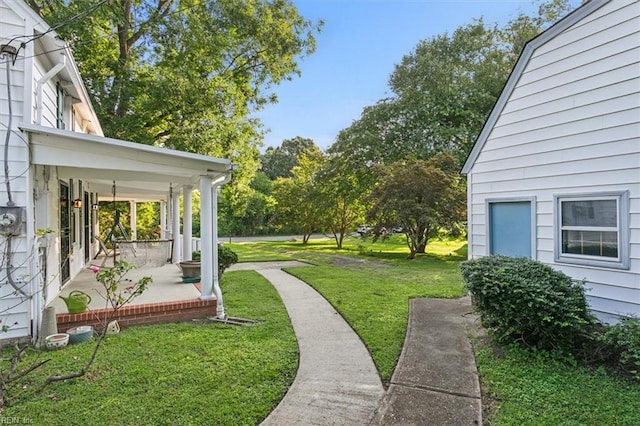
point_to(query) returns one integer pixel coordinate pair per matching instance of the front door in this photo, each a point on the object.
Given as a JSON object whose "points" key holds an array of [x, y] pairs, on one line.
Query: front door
{"points": [[65, 232], [510, 228]]}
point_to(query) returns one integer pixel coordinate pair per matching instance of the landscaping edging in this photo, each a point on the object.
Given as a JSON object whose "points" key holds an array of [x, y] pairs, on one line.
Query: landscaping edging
{"points": [[151, 313]]}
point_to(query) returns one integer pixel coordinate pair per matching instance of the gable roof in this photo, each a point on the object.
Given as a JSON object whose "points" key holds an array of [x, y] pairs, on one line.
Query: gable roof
{"points": [[51, 45], [531, 46]]}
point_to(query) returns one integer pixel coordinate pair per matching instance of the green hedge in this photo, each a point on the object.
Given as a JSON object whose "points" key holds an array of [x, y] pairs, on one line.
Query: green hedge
{"points": [[522, 300]]}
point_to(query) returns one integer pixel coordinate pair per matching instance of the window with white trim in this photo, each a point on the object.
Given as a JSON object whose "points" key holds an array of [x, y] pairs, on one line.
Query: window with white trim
{"points": [[592, 229]]}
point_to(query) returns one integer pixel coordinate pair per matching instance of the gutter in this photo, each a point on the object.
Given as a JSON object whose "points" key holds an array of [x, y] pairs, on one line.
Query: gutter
{"points": [[220, 313]]}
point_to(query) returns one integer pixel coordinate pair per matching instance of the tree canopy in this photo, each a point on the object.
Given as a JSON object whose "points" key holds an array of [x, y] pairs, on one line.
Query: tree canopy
{"points": [[184, 74], [279, 161], [297, 196], [421, 196], [441, 94]]}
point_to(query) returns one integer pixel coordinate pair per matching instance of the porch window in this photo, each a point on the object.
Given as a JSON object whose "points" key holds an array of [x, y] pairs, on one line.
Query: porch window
{"points": [[592, 229]]}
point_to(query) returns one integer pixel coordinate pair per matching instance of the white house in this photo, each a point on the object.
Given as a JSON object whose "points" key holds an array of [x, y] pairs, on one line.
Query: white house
{"points": [[555, 173], [57, 165]]}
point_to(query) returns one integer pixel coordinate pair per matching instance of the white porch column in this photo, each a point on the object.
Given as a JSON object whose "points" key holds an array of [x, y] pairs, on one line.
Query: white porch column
{"points": [[163, 220], [133, 219], [175, 226], [206, 249], [187, 230]]}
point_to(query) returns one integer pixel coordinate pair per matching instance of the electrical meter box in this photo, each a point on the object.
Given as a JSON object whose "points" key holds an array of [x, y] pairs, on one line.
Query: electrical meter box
{"points": [[10, 220]]}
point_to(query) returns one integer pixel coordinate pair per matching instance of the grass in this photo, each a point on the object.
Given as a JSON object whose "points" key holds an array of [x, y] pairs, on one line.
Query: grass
{"points": [[519, 388], [254, 252], [372, 283], [176, 374], [216, 374], [534, 389]]}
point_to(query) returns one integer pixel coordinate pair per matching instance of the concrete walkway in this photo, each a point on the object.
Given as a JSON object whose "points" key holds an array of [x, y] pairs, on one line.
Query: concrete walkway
{"points": [[435, 381], [337, 382]]}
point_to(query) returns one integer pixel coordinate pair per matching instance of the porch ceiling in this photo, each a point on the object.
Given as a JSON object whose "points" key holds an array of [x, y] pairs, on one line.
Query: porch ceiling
{"points": [[141, 172]]}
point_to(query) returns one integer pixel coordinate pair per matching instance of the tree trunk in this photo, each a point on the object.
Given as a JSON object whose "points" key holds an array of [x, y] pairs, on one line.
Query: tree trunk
{"points": [[422, 236]]}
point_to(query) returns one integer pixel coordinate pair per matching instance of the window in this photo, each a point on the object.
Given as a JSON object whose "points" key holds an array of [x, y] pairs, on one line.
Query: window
{"points": [[60, 104], [592, 229]]}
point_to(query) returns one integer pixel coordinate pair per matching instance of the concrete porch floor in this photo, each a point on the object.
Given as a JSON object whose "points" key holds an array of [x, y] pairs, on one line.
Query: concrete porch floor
{"points": [[167, 286]]}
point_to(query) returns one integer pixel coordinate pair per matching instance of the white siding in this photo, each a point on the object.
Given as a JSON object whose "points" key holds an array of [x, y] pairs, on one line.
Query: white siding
{"points": [[572, 125], [14, 310]]}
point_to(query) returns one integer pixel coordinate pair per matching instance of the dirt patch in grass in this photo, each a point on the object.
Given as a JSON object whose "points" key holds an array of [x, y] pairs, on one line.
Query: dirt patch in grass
{"points": [[347, 262]]}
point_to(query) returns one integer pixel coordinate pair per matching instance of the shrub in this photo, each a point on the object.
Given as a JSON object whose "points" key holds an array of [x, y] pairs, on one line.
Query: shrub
{"points": [[623, 340], [226, 258], [522, 300]]}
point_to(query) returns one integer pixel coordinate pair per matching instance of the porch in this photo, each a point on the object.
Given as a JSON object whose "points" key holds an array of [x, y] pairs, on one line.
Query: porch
{"points": [[72, 173], [167, 299]]}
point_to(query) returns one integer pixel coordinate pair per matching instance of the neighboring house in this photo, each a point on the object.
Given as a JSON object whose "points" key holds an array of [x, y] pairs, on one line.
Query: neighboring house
{"points": [[555, 173], [57, 166]]}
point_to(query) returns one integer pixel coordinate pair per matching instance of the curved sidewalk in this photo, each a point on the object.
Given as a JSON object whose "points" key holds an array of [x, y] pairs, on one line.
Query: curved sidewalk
{"points": [[435, 381], [336, 382]]}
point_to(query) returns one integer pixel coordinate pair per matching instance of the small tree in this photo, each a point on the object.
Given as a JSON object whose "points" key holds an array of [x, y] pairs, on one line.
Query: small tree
{"points": [[424, 197], [341, 201], [297, 197]]}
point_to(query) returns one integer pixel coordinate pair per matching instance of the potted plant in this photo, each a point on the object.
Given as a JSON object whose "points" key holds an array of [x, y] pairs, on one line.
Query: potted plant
{"points": [[191, 268]]}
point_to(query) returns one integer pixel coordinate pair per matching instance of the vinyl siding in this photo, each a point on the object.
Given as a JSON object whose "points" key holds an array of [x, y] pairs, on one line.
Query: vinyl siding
{"points": [[14, 310], [572, 125]]}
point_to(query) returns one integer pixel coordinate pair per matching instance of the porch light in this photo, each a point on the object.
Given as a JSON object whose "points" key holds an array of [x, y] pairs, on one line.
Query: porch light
{"points": [[77, 203]]}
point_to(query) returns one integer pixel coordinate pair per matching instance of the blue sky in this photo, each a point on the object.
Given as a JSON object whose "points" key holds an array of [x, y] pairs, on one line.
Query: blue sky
{"points": [[356, 51]]}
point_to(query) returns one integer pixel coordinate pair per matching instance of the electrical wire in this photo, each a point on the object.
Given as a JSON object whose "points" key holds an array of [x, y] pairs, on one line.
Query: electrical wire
{"points": [[8, 269], [53, 28], [10, 202]]}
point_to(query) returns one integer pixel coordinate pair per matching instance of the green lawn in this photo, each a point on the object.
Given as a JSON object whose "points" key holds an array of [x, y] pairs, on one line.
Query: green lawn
{"points": [[184, 374], [370, 283], [526, 389], [519, 388], [177, 374]]}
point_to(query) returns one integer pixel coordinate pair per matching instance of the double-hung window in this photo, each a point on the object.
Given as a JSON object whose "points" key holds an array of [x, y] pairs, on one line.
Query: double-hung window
{"points": [[592, 229]]}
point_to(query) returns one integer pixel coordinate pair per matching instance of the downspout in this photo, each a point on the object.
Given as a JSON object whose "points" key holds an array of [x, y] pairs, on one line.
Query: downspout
{"points": [[220, 313], [45, 78]]}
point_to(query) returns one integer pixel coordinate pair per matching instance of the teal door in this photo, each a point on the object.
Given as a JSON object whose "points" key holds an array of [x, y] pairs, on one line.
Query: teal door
{"points": [[510, 229]]}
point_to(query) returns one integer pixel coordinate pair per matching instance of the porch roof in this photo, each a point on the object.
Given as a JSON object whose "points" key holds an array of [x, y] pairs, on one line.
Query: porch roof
{"points": [[141, 172]]}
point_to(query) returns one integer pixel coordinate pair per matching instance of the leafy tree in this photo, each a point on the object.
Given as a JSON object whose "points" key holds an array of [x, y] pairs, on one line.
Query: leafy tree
{"points": [[424, 197], [279, 161], [255, 218], [185, 74], [297, 197], [341, 201], [442, 93]]}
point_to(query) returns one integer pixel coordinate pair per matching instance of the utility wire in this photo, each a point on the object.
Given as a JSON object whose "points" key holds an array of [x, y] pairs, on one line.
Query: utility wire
{"points": [[7, 182]]}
